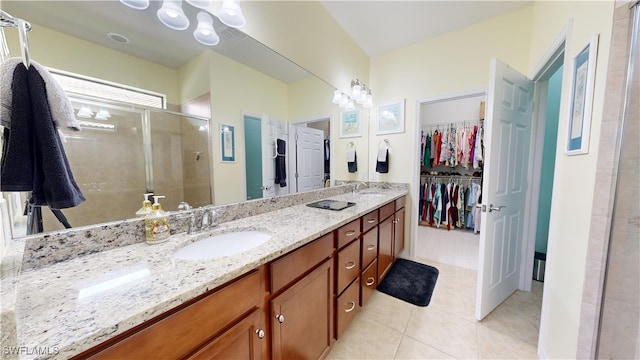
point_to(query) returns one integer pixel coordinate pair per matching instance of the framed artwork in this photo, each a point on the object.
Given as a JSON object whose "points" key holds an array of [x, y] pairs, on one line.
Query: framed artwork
{"points": [[350, 124], [582, 81], [390, 118], [227, 143]]}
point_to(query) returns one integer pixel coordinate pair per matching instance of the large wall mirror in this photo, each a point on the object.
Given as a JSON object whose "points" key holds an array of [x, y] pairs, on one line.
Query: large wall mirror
{"points": [[208, 90]]}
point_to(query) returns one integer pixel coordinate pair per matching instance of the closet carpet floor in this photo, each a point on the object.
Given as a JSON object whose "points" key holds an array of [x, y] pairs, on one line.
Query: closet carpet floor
{"points": [[388, 328]]}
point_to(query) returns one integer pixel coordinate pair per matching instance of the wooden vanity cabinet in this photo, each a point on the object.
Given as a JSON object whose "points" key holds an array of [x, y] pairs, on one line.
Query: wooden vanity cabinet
{"points": [[302, 305], [196, 325]]}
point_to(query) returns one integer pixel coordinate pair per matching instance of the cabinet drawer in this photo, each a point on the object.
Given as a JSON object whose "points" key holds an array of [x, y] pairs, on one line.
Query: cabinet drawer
{"points": [[347, 307], [348, 265], [369, 247], [370, 220], [400, 202], [387, 210], [369, 281], [291, 266], [176, 335], [348, 233]]}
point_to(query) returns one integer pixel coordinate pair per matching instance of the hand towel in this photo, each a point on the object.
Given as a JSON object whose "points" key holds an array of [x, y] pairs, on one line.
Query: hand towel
{"points": [[382, 163], [352, 161], [59, 104], [33, 157], [281, 163]]}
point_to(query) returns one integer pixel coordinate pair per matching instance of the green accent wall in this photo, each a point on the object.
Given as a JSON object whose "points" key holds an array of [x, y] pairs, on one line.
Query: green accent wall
{"points": [[253, 148], [548, 160]]}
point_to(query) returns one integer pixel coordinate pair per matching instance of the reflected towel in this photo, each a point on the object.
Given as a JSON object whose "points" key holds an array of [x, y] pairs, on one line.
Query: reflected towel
{"points": [[352, 164], [382, 163], [33, 157], [281, 163], [59, 104]]}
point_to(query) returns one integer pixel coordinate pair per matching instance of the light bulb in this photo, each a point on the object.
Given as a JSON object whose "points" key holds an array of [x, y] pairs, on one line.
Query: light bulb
{"points": [[337, 97], [172, 16], [230, 14], [205, 33]]}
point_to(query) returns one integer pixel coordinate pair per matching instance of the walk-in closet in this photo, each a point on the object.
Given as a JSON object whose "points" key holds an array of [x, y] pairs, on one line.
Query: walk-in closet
{"points": [[451, 162]]}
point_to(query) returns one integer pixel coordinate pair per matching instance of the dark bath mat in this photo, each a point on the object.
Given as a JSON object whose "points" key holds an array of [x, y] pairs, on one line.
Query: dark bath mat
{"points": [[410, 281]]}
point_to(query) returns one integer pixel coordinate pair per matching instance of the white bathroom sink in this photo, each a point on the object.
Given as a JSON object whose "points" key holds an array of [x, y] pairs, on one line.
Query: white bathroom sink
{"points": [[370, 192], [217, 246]]}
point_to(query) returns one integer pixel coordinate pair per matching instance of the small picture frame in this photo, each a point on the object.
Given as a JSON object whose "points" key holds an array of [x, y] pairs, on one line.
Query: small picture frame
{"points": [[227, 143], [390, 118], [350, 124], [582, 82]]}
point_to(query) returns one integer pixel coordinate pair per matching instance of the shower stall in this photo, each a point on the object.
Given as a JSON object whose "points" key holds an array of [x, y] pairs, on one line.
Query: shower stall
{"points": [[124, 151], [619, 332]]}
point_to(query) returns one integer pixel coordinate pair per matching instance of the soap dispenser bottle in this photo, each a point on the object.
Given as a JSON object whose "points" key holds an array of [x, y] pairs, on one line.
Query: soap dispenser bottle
{"points": [[146, 206], [157, 223]]}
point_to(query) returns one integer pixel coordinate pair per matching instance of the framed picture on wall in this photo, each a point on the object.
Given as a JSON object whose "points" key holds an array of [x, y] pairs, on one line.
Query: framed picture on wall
{"points": [[350, 124], [582, 81], [227, 143], [390, 118]]}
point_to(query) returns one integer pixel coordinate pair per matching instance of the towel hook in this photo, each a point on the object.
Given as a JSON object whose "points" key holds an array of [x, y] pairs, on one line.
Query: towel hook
{"points": [[385, 141], [24, 42]]}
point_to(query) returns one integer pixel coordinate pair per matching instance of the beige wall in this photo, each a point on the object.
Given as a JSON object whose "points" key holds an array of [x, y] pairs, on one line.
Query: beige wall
{"points": [[575, 176], [454, 62], [60, 51]]}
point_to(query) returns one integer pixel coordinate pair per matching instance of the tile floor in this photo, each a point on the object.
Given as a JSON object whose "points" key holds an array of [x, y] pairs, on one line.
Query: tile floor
{"points": [[388, 328]]}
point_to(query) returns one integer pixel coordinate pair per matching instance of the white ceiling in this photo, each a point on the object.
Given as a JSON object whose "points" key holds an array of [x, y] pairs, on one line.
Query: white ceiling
{"points": [[381, 26]]}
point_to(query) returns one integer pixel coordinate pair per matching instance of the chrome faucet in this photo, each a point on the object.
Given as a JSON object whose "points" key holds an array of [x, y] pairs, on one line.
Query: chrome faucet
{"points": [[356, 186], [207, 221]]}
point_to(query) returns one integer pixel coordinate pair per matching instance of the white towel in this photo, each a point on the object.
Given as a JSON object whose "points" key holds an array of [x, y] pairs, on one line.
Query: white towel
{"points": [[351, 155], [61, 108], [382, 154]]}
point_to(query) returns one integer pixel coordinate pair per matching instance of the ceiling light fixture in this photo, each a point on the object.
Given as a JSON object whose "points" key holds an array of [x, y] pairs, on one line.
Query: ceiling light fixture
{"points": [[136, 4], [205, 33], [172, 16], [202, 4], [231, 15], [85, 112]]}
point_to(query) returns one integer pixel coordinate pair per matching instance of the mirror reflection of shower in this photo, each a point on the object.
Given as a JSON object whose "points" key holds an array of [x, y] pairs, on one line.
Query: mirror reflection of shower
{"points": [[133, 150]]}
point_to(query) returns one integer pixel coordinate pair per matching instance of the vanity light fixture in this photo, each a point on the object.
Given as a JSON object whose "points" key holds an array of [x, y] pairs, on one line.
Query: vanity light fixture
{"points": [[136, 4], [359, 93], [85, 112], [202, 4], [172, 16], [205, 33], [102, 114], [231, 15]]}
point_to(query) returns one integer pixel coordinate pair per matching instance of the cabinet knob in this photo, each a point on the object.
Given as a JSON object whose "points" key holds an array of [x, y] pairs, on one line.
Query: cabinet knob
{"points": [[371, 247], [370, 281], [395, 221], [371, 221], [260, 333], [350, 265], [280, 318], [353, 306], [350, 233]]}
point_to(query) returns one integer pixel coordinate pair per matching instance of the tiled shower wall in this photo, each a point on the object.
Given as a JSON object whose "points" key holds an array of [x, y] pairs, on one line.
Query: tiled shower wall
{"points": [[614, 242]]}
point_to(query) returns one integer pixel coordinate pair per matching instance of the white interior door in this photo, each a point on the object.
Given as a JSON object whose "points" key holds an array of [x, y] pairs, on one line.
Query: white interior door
{"points": [[507, 138], [310, 158], [271, 130]]}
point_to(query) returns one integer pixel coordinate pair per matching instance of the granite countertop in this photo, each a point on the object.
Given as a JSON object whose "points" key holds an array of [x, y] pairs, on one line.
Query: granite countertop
{"points": [[66, 308]]}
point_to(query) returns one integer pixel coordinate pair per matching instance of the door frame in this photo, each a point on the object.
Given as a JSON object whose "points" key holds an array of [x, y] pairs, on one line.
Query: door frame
{"points": [[293, 149], [415, 182], [540, 76]]}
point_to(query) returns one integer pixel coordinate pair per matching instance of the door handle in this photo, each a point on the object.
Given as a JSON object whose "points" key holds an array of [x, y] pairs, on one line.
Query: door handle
{"points": [[495, 208]]}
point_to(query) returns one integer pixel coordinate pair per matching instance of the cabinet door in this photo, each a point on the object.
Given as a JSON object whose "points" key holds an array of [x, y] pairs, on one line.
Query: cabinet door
{"points": [[302, 317], [368, 282], [398, 233], [245, 340], [347, 306], [369, 247], [385, 247]]}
